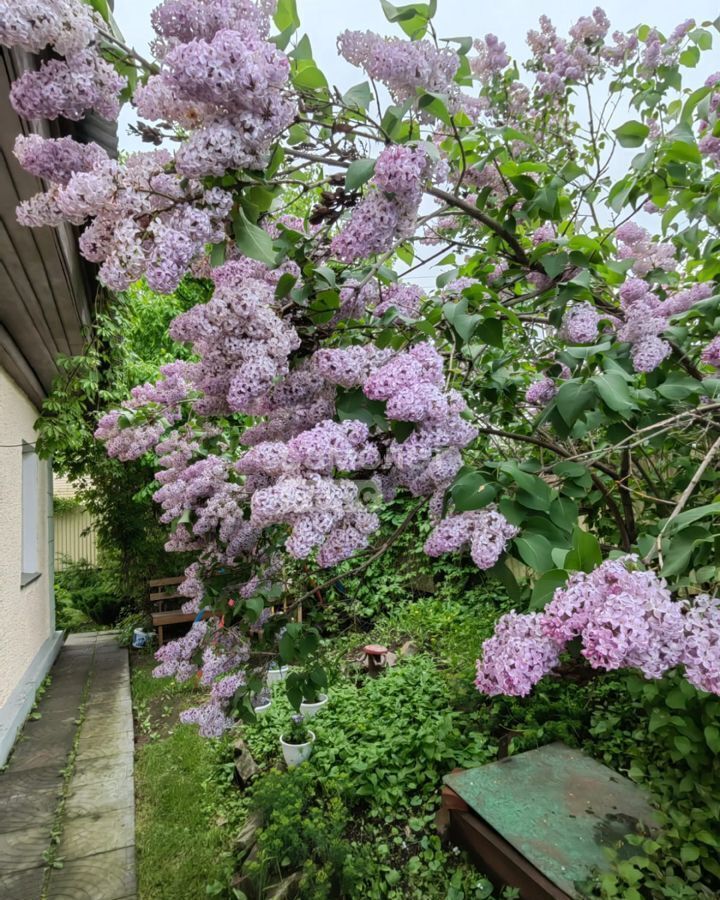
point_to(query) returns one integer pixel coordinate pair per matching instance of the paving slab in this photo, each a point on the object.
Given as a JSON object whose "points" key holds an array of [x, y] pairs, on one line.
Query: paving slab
{"points": [[99, 768], [103, 745], [50, 751], [97, 797], [104, 876], [98, 832], [24, 849], [21, 885], [24, 811], [88, 701]]}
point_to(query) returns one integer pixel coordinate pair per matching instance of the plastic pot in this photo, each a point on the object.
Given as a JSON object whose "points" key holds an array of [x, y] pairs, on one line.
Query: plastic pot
{"points": [[297, 753], [308, 710]]}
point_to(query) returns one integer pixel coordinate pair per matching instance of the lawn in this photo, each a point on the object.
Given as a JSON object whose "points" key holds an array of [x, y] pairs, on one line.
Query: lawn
{"points": [[182, 844]]}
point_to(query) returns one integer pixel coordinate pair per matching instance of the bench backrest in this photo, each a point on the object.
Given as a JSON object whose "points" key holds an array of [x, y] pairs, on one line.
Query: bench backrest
{"points": [[162, 590]]}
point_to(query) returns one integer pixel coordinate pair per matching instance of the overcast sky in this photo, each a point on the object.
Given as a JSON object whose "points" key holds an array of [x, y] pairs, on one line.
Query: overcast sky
{"points": [[323, 20]]}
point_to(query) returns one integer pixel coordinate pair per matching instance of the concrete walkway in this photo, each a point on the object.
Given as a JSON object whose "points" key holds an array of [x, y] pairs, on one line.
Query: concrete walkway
{"points": [[67, 816]]}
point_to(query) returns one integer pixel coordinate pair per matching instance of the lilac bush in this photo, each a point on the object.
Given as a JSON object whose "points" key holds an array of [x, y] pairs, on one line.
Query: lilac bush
{"points": [[512, 405]]}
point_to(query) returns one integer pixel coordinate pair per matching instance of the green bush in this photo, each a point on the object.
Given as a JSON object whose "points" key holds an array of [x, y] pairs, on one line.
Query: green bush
{"points": [[90, 591]]}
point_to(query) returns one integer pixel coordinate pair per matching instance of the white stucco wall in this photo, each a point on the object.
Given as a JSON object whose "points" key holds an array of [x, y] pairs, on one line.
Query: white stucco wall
{"points": [[26, 613]]}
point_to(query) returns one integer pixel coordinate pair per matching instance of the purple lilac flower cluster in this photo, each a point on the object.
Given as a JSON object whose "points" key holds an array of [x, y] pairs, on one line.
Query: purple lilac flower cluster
{"points": [[623, 617], [711, 354], [636, 244], [146, 220], [646, 318], [388, 212], [491, 58], [243, 344], [221, 80], [161, 404], [558, 61], [486, 532], [709, 142], [68, 26], [68, 87], [580, 324], [402, 66]]}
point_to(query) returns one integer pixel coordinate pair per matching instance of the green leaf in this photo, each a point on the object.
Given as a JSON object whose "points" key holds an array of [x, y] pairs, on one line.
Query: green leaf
{"points": [[359, 96], [690, 57], [676, 699], [535, 551], [217, 254], [614, 392], [286, 15], [507, 579], [462, 322], [252, 240], [413, 18], [712, 737], [491, 332], [471, 491], [355, 405], [692, 515], [546, 586], [435, 105], [573, 398], [308, 77], [102, 7], [678, 549], [554, 263], [632, 133], [359, 171], [303, 49], [585, 554]]}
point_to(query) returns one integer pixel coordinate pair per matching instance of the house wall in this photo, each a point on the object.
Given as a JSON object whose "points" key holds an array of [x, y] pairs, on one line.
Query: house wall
{"points": [[27, 620]]}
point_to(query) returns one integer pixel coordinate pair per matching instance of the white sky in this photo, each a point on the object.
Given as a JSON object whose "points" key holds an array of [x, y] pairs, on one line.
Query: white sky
{"points": [[323, 20]]}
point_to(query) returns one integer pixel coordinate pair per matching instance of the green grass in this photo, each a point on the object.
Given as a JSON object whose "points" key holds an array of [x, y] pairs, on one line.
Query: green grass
{"points": [[182, 842]]}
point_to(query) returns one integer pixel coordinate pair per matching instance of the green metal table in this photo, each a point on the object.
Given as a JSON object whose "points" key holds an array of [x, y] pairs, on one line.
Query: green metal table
{"points": [[555, 809]]}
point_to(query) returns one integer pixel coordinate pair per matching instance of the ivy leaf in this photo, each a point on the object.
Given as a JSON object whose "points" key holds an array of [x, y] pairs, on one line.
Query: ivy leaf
{"points": [[359, 171], [632, 133]]}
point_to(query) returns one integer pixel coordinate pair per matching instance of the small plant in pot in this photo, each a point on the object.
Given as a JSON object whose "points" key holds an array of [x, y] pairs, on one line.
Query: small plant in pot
{"points": [[313, 702], [262, 701], [297, 741]]}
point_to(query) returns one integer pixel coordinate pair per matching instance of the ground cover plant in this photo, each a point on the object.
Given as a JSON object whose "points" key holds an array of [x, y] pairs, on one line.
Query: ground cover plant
{"points": [[548, 414]]}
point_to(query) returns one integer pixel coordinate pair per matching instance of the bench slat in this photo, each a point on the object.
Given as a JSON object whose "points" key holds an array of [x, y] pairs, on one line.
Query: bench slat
{"points": [[157, 597], [160, 582]]}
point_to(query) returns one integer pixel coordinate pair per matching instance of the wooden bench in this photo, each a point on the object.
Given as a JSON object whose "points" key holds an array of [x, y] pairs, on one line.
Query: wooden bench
{"points": [[162, 592]]}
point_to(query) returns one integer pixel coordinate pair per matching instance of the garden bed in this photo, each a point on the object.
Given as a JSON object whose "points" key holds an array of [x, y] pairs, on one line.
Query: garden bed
{"points": [[358, 820]]}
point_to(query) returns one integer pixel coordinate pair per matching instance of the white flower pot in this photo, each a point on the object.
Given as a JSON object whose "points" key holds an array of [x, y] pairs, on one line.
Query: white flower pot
{"points": [[296, 753], [308, 710], [261, 710], [275, 675]]}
